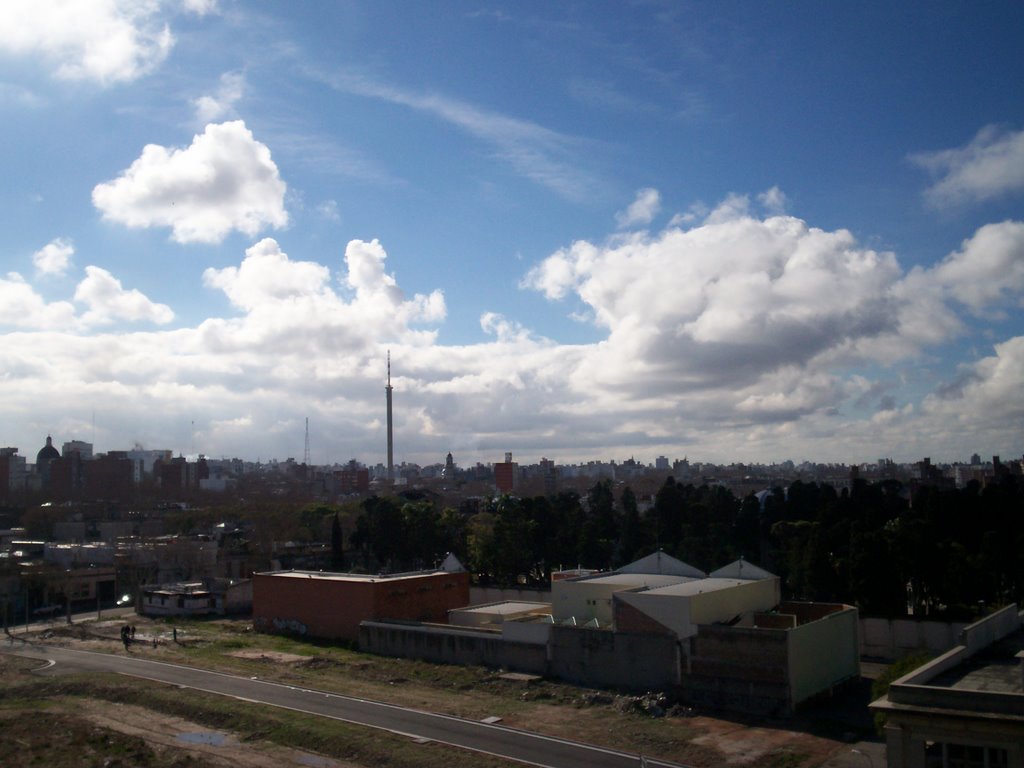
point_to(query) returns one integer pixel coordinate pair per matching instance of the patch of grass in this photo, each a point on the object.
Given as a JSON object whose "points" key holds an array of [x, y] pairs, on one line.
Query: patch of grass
{"points": [[59, 740], [783, 759], [249, 722]]}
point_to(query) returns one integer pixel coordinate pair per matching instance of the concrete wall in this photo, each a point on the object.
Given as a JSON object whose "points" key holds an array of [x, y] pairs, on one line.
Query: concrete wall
{"points": [[743, 670], [596, 657], [988, 630], [528, 631], [893, 639], [822, 654], [450, 645]]}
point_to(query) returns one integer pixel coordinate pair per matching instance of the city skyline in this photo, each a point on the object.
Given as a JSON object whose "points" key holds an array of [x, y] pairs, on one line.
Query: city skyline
{"points": [[732, 232], [660, 462]]}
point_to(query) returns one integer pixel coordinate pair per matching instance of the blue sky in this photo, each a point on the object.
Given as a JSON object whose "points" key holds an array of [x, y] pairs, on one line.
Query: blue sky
{"points": [[733, 231]]}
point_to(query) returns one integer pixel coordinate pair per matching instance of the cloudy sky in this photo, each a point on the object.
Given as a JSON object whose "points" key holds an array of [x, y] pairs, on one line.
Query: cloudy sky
{"points": [[734, 231]]}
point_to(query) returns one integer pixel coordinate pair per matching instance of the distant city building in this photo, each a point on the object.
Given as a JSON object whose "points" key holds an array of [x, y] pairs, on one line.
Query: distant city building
{"points": [[46, 456], [82, 448], [352, 479], [549, 475], [110, 477], [14, 474], [505, 475]]}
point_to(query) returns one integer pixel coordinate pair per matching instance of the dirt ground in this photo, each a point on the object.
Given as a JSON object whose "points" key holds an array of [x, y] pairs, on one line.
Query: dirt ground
{"points": [[700, 740], [214, 748]]}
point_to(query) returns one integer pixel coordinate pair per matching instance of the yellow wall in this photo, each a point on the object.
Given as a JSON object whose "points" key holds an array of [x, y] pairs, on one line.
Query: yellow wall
{"points": [[725, 604]]}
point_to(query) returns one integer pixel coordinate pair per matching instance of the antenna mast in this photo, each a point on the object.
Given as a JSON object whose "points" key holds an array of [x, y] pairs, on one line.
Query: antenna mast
{"points": [[391, 445], [305, 455]]}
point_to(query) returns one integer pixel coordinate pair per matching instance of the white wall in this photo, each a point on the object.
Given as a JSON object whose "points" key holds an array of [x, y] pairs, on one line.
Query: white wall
{"points": [[583, 600], [823, 653]]}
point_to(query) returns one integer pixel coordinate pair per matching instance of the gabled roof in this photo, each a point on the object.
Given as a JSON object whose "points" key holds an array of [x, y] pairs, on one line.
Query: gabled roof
{"points": [[452, 564], [660, 563], [741, 569]]}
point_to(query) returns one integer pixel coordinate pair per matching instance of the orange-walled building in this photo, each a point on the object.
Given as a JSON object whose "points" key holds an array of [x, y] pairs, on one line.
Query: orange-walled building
{"points": [[331, 605]]}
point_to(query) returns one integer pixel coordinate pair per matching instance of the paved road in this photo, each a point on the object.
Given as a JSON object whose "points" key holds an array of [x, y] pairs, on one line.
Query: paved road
{"points": [[482, 737]]}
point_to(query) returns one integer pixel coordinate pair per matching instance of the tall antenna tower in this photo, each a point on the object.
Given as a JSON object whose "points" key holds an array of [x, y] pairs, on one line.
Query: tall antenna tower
{"points": [[391, 444], [305, 454]]}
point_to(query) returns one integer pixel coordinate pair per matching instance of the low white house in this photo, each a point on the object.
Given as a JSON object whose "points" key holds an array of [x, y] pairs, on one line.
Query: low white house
{"points": [[215, 597]]}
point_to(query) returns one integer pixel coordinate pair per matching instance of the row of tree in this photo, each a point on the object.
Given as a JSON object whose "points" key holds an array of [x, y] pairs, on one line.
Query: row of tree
{"points": [[882, 546]]}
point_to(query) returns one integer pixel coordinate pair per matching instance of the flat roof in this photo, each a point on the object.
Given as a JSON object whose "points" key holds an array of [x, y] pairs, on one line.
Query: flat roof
{"points": [[354, 577], [506, 608], [652, 580], [699, 586], [996, 668]]}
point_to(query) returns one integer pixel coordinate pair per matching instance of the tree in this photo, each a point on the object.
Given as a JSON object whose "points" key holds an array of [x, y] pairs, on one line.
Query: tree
{"points": [[668, 516], [380, 531], [337, 550], [600, 527], [634, 540]]}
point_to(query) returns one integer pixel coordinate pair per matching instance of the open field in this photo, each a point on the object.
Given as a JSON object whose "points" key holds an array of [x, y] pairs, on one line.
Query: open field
{"points": [[228, 732]]}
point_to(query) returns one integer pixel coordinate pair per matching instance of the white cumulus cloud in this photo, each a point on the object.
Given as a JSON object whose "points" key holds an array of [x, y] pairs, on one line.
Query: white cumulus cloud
{"points": [[739, 338], [105, 41], [984, 400], [224, 181], [642, 210], [989, 267], [210, 109], [266, 274], [991, 165], [54, 258], [107, 301], [22, 307], [750, 318], [291, 304]]}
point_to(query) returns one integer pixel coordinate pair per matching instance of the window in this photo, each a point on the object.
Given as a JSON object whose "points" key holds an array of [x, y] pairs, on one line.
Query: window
{"points": [[944, 755]]}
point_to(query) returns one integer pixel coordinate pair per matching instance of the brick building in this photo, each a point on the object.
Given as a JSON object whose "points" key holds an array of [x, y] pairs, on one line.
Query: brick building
{"points": [[505, 475], [331, 605]]}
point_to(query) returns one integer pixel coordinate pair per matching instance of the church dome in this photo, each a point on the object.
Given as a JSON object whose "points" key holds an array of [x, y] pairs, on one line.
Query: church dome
{"points": [[47, 453]]}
